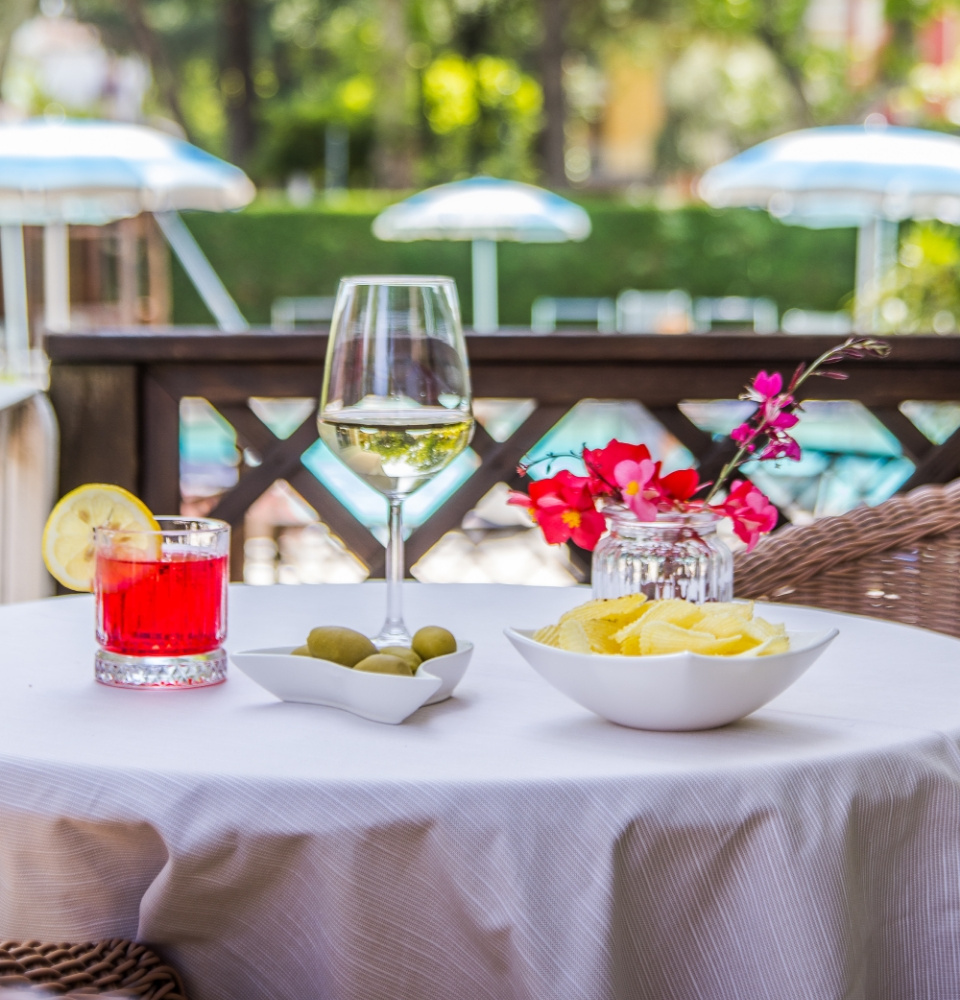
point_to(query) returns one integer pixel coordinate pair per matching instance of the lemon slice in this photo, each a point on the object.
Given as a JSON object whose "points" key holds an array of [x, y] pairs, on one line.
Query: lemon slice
{"points": [[68, 535]]}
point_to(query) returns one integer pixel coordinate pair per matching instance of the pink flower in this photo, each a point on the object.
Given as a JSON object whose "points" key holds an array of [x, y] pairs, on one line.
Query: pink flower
{"points": [[781, 446], [767, 386], [775, 408], [742, 435], [750, 511], [778, 418], [601, 462], [563, 507], [639, 488], [766, 428]]}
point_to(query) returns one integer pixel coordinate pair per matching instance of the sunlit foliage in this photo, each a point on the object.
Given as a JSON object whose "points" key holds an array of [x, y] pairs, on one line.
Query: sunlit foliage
{"points": [[923, 291], [463, 79]]}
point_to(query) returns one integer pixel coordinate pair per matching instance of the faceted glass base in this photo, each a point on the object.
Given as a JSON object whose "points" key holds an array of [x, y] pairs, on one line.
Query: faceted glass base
{"points": [[168, 672]]}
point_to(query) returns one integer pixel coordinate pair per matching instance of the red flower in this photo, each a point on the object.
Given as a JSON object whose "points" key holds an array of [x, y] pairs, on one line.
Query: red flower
{"points": [[680, 485], [563, 507], [626, 473], [750, 511], [601, 464]]}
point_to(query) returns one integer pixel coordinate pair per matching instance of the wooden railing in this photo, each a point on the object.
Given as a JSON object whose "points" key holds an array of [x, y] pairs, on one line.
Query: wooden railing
{"points": [[117, 395]]}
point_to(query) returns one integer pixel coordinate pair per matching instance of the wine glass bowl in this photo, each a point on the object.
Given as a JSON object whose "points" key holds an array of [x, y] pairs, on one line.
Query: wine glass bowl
{"points": [[396, 406]]}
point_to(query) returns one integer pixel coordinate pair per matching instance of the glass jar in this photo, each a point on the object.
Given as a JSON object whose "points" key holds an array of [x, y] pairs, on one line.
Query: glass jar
{"points": [[678, 555]]}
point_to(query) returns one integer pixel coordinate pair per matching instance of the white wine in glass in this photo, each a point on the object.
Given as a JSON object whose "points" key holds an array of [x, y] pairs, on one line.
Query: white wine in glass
{"points": [[395, 405]]}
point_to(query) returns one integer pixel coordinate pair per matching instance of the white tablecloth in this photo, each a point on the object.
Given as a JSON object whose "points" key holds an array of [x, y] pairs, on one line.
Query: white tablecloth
{"points": [[505, 844]]}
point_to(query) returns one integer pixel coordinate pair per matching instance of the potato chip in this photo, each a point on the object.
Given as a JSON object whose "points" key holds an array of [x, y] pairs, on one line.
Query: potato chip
{"points": [[672, 610], [549, 635], [629, 631], [723, 647], [721, 624], [660, 638], [761, 630], [675, 611], [629, 617], [630, 646], [600, 636], [775, 644], [742, 609], [606, 608], [573, 637], [739, 644], [634, 626]]}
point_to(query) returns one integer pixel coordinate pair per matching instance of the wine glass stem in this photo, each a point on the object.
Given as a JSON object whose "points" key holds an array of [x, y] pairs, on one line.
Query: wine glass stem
{"points": [[394, 631]]}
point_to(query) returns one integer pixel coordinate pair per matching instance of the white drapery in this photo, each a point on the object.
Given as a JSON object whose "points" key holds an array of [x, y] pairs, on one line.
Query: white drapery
{"points": [[29, 446]]}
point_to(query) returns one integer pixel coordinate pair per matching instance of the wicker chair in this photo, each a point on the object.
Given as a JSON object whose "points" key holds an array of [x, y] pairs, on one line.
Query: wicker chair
{"points": [[114, 968], [899, 560]]}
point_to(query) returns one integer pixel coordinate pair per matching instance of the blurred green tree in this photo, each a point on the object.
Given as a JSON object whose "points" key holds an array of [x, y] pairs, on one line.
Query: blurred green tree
{"points": [[263, 82], [722, 98], [428, 90], [12, 14], [922, 293]]}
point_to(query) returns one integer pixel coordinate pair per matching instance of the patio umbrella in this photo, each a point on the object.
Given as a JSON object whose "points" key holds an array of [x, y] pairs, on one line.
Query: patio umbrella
{"points": [[55, 174], [485, 211], [865, 176]]}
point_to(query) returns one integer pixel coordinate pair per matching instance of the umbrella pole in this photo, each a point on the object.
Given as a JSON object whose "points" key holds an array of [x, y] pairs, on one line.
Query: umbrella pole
{"points": [[16, 321], [56, 276], [876, 255], [200, 271], [485, 319]]}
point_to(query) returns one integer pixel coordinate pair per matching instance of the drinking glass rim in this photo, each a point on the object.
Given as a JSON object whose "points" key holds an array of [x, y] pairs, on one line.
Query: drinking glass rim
{"points": [[625, 517], [199, 524], [400, 280]]}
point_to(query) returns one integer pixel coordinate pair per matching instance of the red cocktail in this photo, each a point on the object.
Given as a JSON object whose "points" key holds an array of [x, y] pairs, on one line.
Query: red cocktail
{"points": [[161, 604]]}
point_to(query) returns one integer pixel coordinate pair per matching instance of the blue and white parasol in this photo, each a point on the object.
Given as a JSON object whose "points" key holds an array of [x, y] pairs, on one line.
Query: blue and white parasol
{"points": [[55, 174], [866, 176], [485, 211]]}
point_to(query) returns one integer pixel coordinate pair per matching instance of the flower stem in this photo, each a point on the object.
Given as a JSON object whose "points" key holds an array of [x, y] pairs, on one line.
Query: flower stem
{"points": [[852, 347], [725, 472], [811, 369]]}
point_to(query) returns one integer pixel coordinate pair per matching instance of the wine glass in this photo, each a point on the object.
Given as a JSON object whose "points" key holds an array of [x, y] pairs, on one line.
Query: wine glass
{"points": [[395, 405]]}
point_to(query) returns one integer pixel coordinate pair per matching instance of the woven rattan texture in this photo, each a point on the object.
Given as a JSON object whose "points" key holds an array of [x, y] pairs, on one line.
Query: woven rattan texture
{"points": [[114, 968], [899, 560]]}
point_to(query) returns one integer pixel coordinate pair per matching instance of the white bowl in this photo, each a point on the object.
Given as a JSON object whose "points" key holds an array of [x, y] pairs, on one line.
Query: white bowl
{"points": [[378, 697], [680, 691], [450, 669]]}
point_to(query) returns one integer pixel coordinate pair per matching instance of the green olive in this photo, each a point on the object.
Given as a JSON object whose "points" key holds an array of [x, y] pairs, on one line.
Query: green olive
{"points": [[300, 651], [432, 640], [339, 645], [383, 663], [405, 653]]}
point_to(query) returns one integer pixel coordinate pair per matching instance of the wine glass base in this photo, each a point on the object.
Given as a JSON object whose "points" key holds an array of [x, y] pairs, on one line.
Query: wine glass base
{"points": [[392, 635], [167, 672]]}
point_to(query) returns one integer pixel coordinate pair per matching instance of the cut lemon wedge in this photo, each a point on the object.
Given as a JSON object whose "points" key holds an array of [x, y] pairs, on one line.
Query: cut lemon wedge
{"points": [[67, 544]]}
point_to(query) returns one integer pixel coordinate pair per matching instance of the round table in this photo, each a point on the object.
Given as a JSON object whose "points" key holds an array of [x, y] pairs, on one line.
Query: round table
{"points": [[505, 844]]}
